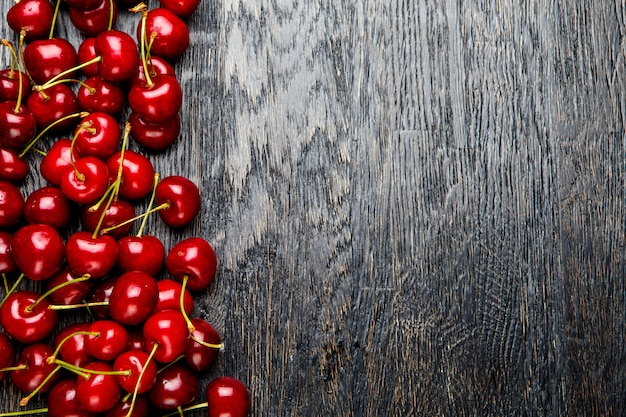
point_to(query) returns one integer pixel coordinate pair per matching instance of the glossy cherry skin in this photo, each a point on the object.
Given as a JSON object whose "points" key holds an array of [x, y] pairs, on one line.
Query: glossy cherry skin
{"points": [[175, 386], [17, 128], [156, 102], [194, 258], [38, 251], [12, 168], [92, 185], [110, 342], [25, 323], [156, 65], [10, 84], [183, 198], [7, 264], [136, 361], [7, 354], [34, 16], [34, 356], [199, 357], [46, 58], [118, 211], [98, 134], [227, 397], [133, 298], [88, 255], [94, 20], [48, 205], [181, 8], [155, 137], [62, 400], [119, 54], [168, 329], [102, 96], [53, 104], [86, 53], [73, 349], [172, 34], [169, 296], [11, 205], [102, 293], [137, 174], [145, 253], [69, 294], [57, 161], [98, 392], [121, 409]]}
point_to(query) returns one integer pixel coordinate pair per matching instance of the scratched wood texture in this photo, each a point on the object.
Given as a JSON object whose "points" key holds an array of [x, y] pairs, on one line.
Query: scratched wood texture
{"points": [[418, 206]]}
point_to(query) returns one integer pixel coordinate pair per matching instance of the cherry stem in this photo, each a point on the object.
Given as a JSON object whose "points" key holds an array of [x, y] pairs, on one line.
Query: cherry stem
{"points": [[85, 372], [206, 344], [190, 408], [54, 19], [163, 206], [179, 357], [81, 114], [20, 85], [150, 204], [40, 88], [62, 307], [57, 287], [139, 378], [111, 14], [24, 401], [21, 52], [60, 75], [24, 412], [5, 282], [53, 357], [14, 368], [141, 7], [83, 126], [190, 325], [10, 290]]}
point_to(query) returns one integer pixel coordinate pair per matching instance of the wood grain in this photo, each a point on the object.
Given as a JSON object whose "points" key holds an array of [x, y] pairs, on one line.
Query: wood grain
{"points": [[418, 205]]}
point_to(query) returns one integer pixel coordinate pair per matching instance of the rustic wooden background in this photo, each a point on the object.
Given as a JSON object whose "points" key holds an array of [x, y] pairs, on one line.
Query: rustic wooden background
{"points": [[418, 206]]}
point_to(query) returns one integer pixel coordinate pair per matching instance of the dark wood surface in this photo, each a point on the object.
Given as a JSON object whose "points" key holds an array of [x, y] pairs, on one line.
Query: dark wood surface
{"points": [[418, 206]]}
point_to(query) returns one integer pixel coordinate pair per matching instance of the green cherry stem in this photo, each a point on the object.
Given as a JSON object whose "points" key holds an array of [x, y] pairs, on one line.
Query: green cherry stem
{"points": [[81, 114], [60, 76], [24, 401], [6, 283], [84, 372], [62, 307], [53, 357], [190, 408], [163, 206], [24, 412], [150, 204], [10, 290], [190, 325], [20, 85], [54, 19], [139, 378], [57, 287]]}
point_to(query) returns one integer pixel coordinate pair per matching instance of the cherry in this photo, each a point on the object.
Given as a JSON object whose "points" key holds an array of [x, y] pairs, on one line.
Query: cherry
{"points": [[158, 100], [168, 330], [181, 8], [91, 21], [53, 107], [17, 125], [27, 318], [73, 291], [137, 174], [175, 386], [154, 137], [169, 296], [135, 339], [136, 361], [58, 159], [87, 181], [48, 205], [98, 135], [7, 264], [133, 298], [88, 254], [182, 198], [119, 55], [140, 253], [62, 401], [47, 58], [11, 205], [10, 84], [140, 408], [102, 294], [202, 347], [33, 16], [99, 95], [38, 251], [69, 343], [87, 53], [98, 392], [117, 212], [169, 35], [12, 168], [7, 354], [108, 341], [192, 259], [227, 397], [155, 65], [34, 359]]}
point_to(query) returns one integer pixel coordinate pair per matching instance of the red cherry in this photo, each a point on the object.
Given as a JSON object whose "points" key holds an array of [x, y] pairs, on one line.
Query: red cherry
{"points": [[98, 392], [26, 321], [7, 354], [168, 329], [52, 104], [169, 296], [154, 137], [100, 95], [10, 84], [181, 8], [48, 205], [157, 101], [200, 357], [62, 401], [110, 342], [171, 34], [121, 409], [11, 205], [102, 294], [86, 53], [140, 253], [118, 211], [38, 251], [227, 397], [119, 54], [156, 65], [17, 125], [87, 182], [183, 198], [137, 174], [91, 21], [88, 255], [34, 16], [98, 134], [135, 361], [195, 259], [34, 358], [46, 58], [69, 294], [7, 264], [72, 350], [57, 161], [133, 298], [12, 168], [175, 386], [136, 340]]}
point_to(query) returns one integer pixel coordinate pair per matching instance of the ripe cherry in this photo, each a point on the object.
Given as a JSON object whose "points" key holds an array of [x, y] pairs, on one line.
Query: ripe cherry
{"points": [[91, 21], [98, 392], [156, 100], [227, 397], [133, 299], [155, 65], [12, 168], [48, 205], [140, 253], [17, 125], [119, 55], [154, 137], [26, 317], [34, 358], [192, 259], [137, 174], [73, 291], [117, 212], [100, 95], [87, 181], [182, 198], [175, 387], [168, 330], [203, 346], [7, 354], [181, 8], [33, 16], [56, 162], [169, 296], [7, 264], [62, 401], [53, 107], [47, 58], [102, 294], [70, 344], [87, 53], [135, 361], [141, 408], [10, 84], [38, 251], [169, 34], [108, 341], [86, 254], [11, 205], [98, 134]]}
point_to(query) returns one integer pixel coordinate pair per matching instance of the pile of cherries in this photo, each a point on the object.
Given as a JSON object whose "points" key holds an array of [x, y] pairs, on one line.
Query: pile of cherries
{"points": [[67, 251]]}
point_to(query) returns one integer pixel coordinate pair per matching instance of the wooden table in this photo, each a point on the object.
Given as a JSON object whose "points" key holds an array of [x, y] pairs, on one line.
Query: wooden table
{"points": [[418, 206]]}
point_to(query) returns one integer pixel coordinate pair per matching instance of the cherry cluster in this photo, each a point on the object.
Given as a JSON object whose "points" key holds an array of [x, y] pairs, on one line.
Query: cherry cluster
{"points": [[67, 252]]}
